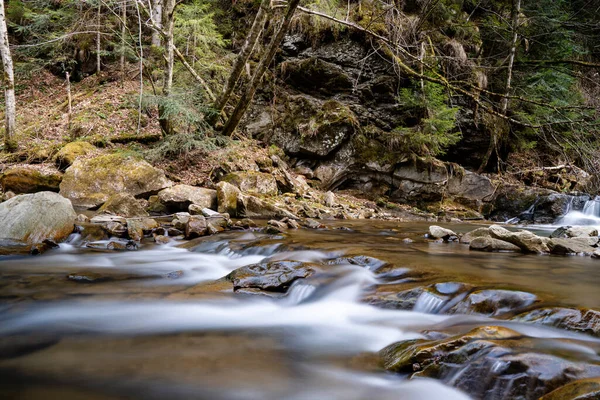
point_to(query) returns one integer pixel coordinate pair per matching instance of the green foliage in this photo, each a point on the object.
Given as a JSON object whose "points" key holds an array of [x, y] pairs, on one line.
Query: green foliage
{"points": [[435, 131], [180, 144]]}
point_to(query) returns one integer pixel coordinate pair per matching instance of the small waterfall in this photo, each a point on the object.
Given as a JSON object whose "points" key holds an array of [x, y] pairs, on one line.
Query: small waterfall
{"points": [[429, 303], [590, 215]]}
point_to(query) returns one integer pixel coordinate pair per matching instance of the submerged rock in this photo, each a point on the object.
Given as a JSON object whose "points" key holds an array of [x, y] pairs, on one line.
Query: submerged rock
{"points": [[583, 389], [30, 219], [180, 197], [124, 205], [24, 179], [574, 319], [493, 302], [90, 182], [273, 276]]}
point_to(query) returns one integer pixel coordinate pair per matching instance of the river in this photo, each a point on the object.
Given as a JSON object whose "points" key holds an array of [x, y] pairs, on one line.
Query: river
{"points": [[161, 323]]}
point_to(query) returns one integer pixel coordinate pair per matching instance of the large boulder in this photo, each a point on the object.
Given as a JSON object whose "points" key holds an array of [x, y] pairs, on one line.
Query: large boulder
{"points": [[68, 154], [90, 182], [30, 219], [28, 179], [471, 187], [525, 240], [253, 207], [123, 204], [576, 245], [437, 232], [487, 243], [180, 197], [252, 182], [227, 198], [477, 233]]}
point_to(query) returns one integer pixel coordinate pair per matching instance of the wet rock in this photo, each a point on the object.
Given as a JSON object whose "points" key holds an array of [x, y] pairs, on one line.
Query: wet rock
{"points": [[437, 232], [583, 389], [30, 219], [490, 244], [292, 224], [253, 207], [273, 276], [477, 233], [525, 240], [573, 319], [174, 274], [82, 219], [312, 224], [487, 362], [123, 204], [104, 219], [122, 246], [160, 239], [227, 197], [196, 227], [172, 232], [138, 227], [256, 183], [87, 277], [493, 302], [560, 232], [512, 200], [90, 182], [155, 206], [370, 263], [180, 220], [28, 179], [180, 197], [574, 245], [581, 231], [68, 154], [40, 248], [116, 229]]}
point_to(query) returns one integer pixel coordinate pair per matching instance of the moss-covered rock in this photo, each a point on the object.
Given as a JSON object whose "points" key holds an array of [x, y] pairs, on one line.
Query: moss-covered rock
{"points": [[90, 182], [257, 183], [68, 154], [227, 196], [27, 179], [180, 197], [583, 389], [123, 204]]}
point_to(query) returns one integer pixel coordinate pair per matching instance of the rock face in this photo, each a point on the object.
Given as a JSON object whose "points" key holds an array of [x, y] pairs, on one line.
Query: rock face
{"points": [[180, 197], [124, 205], [32, 218], [525, 240], [68, 154], [253, 182], [23, 179], [274, 276], [89, 183]]}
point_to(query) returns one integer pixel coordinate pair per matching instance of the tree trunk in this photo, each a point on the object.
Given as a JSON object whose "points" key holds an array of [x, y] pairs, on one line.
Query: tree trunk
{"points": [[265, 61], [157, 18], [98, 38], [9, 83], [245, 52], [493, 147], [169, 22], [123, 32]]}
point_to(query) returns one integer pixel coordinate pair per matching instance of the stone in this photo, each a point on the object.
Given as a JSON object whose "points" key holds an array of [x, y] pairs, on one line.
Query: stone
{"points": [[582, 320], [114, 228], [89, 183], [138, 227], [574, 245], [123, 204], [471, 186], [493, 302], [196, 227], [30, 219], [155, 206], [180, 197], [82, 219], [253, 207], [227, 198], [280, 225], [437, 232], [525, 240], [312, 224], [477, 233], [27, 179], [103, 219], [582, 389], [274, 276], [581, 231], [69, 153], [329, 199], [117, 246], [8, 195], [160, 239], [596, 254], [180, 220], [490, 244], [251, 182]]}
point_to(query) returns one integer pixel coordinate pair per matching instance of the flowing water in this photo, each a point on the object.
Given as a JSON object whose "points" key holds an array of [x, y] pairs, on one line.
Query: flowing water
{"points": [[161, 323], [590, 215]]}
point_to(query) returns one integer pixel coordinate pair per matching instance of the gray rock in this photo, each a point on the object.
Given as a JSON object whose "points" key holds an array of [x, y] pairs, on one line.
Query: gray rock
{"points": [[180, 220], [486, 243], [492, 302], [574, 245], [251, 182], [581, 231], [103, 219], [227, 197], [32, 218], [525, 240], [180, 197], [477, 233], [274, 276], [90, 182], [329, 199], [471, 186], [437, 232]]}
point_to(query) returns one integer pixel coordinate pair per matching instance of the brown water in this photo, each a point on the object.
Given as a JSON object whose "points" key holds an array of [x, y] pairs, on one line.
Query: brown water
{"points": [[160, 323]]}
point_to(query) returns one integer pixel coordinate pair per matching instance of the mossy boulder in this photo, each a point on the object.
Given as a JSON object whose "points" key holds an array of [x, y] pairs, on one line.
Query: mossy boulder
{"points": [[28, 179], [257, 183], [68, 154], [180, 197], [30, 219], [90, 182], [123, 204], [227, 196]]}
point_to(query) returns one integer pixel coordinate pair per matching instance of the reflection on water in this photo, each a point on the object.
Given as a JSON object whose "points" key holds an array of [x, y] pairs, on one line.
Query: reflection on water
{"points": [[160, 323]]}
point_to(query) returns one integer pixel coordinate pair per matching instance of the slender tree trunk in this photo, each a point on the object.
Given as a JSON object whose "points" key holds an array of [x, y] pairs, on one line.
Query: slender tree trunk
{"points": [[139, 16], [169, 20], [265, 61], [493, 147], [69, 102], [157, 18], [98, 38], [9, 83], [238, 67], [123, 32]]}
